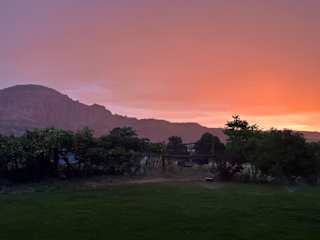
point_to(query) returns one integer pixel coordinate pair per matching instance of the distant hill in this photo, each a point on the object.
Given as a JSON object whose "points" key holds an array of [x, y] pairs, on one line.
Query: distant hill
{"points": [[32, 106]]}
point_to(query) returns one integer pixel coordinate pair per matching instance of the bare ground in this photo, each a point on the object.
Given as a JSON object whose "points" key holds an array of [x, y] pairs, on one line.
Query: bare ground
{"points": [[146, 180], [103, 182]]}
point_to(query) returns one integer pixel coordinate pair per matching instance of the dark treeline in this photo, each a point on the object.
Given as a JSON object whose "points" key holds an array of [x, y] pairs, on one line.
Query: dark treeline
{"points": [[45, 153], [250, 154], [274, 155]]}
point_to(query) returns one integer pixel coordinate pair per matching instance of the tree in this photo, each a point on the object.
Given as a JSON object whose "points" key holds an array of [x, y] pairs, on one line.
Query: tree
{"points": [[314, 149], [83, 141], [225, 166], [99, 160], [208, 144], [156, 148], [34, 155], [37, 155], [175, 146], [286, 155], [126, 138], [11, 157], [3, 156], [239, 132], [57, 141], [123, 132], [241, 142], [125, 149], [210, 147]]}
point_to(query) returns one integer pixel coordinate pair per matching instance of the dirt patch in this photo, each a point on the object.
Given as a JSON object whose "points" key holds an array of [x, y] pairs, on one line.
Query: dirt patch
{"points": [[105, 182], [120, 182], [211, 185], [196, 181]]}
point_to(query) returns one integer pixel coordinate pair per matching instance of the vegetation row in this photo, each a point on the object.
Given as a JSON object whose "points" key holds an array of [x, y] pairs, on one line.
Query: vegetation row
{"points": [[250, 154]]}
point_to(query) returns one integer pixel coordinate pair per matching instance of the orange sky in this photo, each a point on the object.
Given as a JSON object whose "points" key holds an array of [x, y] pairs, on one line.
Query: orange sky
{"points": [[180, 60]]}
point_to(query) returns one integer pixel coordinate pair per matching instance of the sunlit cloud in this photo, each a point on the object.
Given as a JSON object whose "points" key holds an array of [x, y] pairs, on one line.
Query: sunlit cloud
{"points": [[184, 61]]}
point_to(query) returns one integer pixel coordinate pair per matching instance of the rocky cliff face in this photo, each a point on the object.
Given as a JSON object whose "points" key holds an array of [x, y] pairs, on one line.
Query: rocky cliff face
{"points": [[31, 106]]}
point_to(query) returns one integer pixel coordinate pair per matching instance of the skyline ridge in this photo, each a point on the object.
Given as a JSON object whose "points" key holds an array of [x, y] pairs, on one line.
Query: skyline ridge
{"points": [[42, 103], [33, 86]]}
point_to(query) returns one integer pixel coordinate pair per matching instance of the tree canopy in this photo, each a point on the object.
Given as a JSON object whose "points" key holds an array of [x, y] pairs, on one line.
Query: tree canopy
{"points": [[249, 153]]}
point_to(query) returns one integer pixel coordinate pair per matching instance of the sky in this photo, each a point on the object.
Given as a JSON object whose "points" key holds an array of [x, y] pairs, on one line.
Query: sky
{"points": [[180, 60]]}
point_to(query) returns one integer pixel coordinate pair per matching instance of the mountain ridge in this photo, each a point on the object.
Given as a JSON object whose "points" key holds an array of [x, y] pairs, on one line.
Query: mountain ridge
{"points": [[33, 106], [30, 106]]}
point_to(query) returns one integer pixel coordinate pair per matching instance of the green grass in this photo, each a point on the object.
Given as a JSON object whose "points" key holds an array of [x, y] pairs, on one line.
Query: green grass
{"points": [[162, 211]]}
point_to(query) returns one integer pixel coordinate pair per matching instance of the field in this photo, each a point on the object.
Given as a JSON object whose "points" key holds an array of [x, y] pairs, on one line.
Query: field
{"points": [[162, 211]]}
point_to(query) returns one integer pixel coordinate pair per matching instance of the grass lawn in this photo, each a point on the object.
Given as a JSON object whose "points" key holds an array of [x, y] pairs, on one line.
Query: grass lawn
{"points": [[162, 211]]}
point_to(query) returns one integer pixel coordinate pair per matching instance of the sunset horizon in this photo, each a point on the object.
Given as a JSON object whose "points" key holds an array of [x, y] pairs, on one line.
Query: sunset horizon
{"points": [[253, 120], [181, 61], [160, 119]]}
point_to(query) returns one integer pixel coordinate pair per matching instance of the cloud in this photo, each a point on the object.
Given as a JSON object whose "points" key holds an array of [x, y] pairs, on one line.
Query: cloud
{"points": [[184, 61]]}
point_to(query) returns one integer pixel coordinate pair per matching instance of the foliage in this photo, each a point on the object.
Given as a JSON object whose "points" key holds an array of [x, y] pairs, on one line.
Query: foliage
{"points": [[286, 155], [175, 146], [209, 147], [274, 154], [35, 155], [11, 155], [280, 154], [209, 144], [239, 133], [125, 149]]}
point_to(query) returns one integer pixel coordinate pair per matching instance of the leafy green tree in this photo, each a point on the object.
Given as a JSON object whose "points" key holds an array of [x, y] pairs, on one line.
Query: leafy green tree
{"points": [[11, 157], [56, 141], [281, 154], [83, 141], [314, 149], [239, 132], [37, 155], [286, 155], [99, 160], [59, 142], [241, 142], [225, 166], [126, 138], [123, 132], [41, 150], [175, 146], [125, 149], [156, 148], [209, 144], [3, 156], [208, 147]]}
